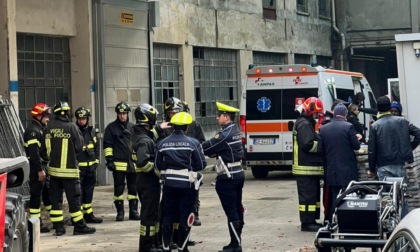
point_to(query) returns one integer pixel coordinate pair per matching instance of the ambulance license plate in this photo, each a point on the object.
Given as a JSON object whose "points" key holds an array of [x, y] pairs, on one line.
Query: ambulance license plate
{"points": [[264, 141]]}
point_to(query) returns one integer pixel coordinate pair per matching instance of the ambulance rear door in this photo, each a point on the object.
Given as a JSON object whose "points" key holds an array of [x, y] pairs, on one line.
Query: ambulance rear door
{"points": [[272, 93]]}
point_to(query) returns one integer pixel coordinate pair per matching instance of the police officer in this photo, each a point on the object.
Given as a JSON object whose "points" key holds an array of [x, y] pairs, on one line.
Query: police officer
{"points": [[307, 163], [118, 161], [148, 185], [179, 158], [33, 137], [226, 145], [88, 162], [172, 106], [63, 142]]}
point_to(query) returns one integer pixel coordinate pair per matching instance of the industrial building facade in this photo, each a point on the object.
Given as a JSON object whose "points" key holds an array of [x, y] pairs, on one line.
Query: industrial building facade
{"points": [[95, 53]]}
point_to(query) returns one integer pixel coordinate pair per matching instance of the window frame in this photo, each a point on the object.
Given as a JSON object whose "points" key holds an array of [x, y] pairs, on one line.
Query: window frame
{"points": [[269, 10]]}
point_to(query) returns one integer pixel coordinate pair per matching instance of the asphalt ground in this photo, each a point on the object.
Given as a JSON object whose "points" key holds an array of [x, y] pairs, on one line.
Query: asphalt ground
{"points": [[271, 222]]}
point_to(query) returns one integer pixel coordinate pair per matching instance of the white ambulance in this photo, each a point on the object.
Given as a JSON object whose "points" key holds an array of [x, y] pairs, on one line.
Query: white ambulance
{"points": [[270, 95]]}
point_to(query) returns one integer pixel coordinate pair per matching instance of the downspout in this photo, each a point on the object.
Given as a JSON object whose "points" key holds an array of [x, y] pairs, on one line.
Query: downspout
{"points": [[343, 39]]}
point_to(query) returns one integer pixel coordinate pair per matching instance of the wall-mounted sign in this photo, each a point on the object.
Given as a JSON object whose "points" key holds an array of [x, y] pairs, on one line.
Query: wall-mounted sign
{"points": [[127, 18]]}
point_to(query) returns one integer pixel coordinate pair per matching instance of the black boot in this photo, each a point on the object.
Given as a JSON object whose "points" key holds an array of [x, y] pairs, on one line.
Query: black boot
{"points": [[80, 228], [197, 221], [43, 228], [166, 237], [235, 231], [183, 235], [90, 218], [134, 206], [59, 228], [119, 205]]}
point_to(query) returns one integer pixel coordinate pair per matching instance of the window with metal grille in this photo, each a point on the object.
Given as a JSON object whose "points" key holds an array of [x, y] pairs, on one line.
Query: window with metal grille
{"points": [[267, 58], [324, 8], [215, 79], [302, 59], [43, 72], [269, 9], [302, 6], [166, 74]]}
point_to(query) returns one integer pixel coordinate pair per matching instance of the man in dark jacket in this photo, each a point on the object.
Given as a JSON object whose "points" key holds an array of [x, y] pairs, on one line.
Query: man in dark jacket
{"points": [[63, 142], [118, 161], [227, 146], [33, 137], [88, 162], [307, 164], [389, 145], [337, 145], [148, 186], [353, 118], [179, 158]]}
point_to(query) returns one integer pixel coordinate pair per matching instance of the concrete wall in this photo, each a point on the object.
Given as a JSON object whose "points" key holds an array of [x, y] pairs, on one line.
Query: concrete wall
{"points": [[240, 25], [53, 17], [82, 57], [4, 58], [69, 18]]}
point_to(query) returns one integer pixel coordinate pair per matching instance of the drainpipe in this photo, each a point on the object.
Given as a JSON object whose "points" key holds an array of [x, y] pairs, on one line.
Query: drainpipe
{"points": [[343, 39]]}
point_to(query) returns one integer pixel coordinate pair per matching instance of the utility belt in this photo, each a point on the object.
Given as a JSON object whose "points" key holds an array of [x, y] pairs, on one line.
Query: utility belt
{"points": [[228, 169], [191, 175]]}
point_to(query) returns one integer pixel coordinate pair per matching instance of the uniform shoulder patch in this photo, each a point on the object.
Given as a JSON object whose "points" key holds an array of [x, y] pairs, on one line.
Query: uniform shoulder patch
{"points": [[216, 136]]}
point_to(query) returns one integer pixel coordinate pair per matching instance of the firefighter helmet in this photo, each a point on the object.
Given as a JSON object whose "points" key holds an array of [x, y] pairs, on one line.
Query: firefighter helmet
{"points": [[82, 112], [62, 108], [173, 105], [146, 114], [313, 105], [122, 107], [185, 107], [40, 109], [181, 118]]}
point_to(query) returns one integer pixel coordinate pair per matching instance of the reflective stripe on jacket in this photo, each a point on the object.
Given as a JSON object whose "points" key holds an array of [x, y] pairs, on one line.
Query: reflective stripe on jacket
{"points": [[63, 142], [306, 160]]}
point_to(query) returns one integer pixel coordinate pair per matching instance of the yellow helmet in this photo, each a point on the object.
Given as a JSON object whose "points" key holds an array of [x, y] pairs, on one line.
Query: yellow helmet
{"points": [[181, 118], [223, 108]]}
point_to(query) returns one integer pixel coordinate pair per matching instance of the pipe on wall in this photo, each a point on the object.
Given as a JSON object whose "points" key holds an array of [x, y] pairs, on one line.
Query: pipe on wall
{"points": [[343, 38]]}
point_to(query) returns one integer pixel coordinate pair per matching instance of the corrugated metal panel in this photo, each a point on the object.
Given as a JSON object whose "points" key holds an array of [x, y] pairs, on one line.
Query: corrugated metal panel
{"points": [[126, 54]]}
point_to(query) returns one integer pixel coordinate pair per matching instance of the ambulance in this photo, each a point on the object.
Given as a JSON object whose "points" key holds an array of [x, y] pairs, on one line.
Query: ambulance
{"points": [[270, 95]]}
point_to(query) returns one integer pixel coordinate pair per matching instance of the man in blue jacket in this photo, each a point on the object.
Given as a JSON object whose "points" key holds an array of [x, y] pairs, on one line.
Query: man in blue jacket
{"points": [[179, 158]]}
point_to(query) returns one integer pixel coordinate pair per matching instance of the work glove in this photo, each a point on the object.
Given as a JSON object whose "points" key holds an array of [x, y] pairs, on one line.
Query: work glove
{"points": [[110, 166], [92, 168]]}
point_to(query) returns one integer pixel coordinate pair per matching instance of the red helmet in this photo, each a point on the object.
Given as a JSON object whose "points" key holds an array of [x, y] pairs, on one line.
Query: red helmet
{"points": [[40, 109], [313, 105]]}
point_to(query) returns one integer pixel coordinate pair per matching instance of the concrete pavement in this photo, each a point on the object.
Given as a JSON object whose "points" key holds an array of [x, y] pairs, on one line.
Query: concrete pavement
{"points": [[271, 224]]}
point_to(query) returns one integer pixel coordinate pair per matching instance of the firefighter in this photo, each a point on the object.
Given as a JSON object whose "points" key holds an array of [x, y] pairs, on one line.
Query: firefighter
{"points": [[63, 142], [179, 158], [88, 162], [33, 138], [226, 145], [172, 106], [307, 163], [118, 161], [196, 131], [148, 185]]}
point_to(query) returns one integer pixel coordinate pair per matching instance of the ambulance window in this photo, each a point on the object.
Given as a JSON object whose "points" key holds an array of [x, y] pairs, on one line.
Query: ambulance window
{"points": [[263, 104], [345, 94], [372, 101], [289, 96]]}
